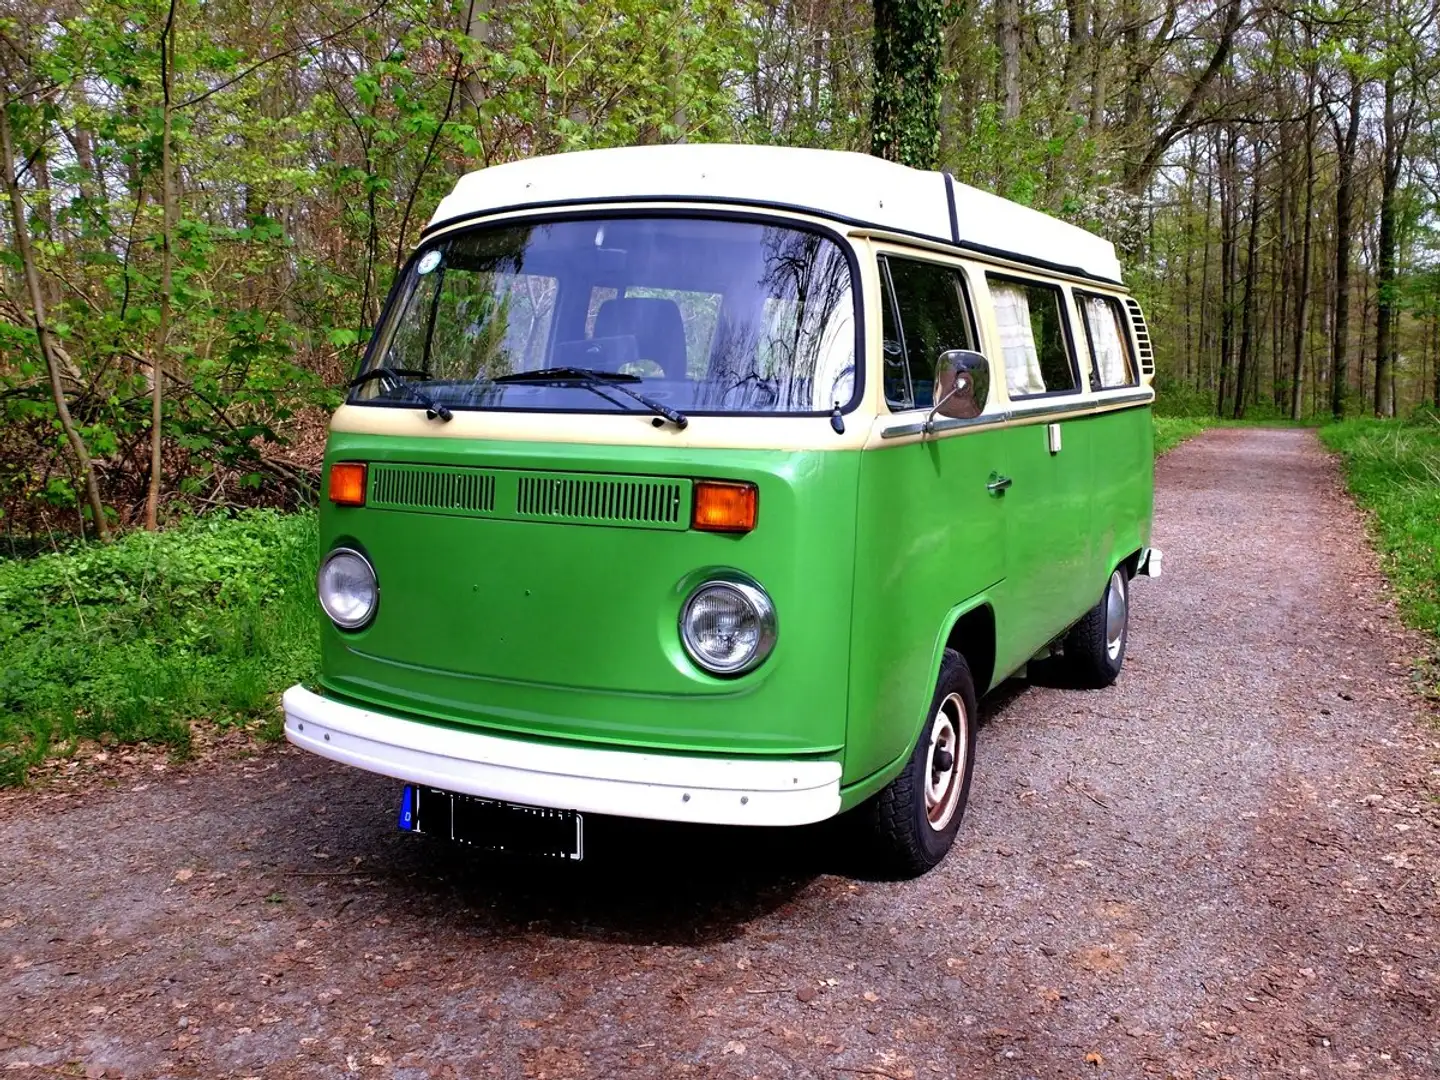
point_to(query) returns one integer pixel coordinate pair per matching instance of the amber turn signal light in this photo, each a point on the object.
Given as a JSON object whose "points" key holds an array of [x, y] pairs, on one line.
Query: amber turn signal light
{"points": [[347, 483], [724, 507]]}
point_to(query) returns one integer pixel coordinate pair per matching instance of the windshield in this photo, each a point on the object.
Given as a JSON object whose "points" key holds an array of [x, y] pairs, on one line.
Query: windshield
{"points": [[700, 315]]}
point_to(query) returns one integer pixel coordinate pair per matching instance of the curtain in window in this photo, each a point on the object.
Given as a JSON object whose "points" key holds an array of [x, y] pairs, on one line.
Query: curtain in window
{"points": [[1110, 357], [1017, 339]]}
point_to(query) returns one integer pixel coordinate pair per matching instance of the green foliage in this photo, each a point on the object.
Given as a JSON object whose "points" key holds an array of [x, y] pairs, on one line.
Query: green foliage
{"points": [[1393, 469], [134, 640], [905, 113], [309, 151], [1171, 431]]}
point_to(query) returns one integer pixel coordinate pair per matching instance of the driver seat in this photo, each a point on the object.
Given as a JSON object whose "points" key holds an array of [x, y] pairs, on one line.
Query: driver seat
{"points": [[656, 325]]}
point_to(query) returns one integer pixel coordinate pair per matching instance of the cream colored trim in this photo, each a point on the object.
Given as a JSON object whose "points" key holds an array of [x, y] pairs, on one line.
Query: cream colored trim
{"points": [[608, 429]]}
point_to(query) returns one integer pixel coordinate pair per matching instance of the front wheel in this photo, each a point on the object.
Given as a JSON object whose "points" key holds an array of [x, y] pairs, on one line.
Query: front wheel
{"points": [[915, 817], [1095, 646]]}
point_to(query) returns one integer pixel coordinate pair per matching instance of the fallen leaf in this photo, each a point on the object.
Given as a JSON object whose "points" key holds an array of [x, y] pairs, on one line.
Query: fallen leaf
{"points": [[184, 875], [734, 1047], [870, 995]]}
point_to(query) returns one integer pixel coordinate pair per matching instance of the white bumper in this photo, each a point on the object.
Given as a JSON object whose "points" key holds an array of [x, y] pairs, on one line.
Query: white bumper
{"points": [[1150, 562], [669, 787]]}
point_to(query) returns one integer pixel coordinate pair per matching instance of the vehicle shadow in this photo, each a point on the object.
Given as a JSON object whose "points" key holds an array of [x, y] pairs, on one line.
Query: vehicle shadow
{"points": [[640, 883]]}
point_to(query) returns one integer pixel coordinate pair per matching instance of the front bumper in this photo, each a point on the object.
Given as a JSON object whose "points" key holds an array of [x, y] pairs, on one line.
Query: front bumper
{"points": [[667, 787]]}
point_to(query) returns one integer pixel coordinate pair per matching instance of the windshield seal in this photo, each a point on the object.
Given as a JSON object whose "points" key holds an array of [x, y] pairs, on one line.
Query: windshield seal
{"points": [[430, 241]]}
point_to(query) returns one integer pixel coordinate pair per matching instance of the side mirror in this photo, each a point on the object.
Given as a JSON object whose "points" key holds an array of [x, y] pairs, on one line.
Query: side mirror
{"points": [[962, 386]]}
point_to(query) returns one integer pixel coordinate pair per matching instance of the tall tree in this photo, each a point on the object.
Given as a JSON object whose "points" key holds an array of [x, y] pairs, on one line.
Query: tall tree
{"points": [[1346, 143], [905, 114], [167, 266], [43, 334]]}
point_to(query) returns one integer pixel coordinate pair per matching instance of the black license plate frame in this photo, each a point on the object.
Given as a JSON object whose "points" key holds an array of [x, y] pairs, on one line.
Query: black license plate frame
{"points": [[493, 824]]}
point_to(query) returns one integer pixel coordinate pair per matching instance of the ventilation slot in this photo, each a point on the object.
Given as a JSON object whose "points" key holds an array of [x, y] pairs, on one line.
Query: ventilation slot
{"points": [[1142, 337], [635, 502], [432, 489]]}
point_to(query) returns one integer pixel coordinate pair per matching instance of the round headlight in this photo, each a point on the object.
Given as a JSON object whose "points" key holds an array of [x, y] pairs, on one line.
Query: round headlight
{"points": [[347, 588], [728, 627]]}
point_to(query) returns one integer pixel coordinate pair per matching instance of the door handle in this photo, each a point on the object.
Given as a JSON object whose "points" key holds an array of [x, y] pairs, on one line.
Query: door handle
{"points": [[998, 484]]}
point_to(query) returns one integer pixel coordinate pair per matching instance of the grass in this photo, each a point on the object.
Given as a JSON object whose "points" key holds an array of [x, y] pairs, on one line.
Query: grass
{"points": [[1393, 470], [1171, 431], [132, 641]]}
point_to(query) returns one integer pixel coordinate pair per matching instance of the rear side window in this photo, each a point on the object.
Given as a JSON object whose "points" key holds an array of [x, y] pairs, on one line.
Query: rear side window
{"points": [[1109, 348], [1036, 348], [926, 314]]}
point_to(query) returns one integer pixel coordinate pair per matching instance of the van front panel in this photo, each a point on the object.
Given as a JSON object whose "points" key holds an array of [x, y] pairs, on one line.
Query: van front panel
{"points": [[536, 588]]}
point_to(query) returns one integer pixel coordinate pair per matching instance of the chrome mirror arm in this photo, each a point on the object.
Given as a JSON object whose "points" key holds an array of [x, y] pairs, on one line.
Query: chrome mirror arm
{"points": [[929, 428]]}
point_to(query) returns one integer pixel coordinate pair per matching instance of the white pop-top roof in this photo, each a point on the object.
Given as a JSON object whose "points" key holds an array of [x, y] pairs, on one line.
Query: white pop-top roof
{"points": [[833, 183]]}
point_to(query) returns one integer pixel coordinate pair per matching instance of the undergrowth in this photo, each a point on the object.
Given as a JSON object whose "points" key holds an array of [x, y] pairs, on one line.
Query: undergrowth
{"points": [[131, 641], [1393, 470], [1171, 431]]}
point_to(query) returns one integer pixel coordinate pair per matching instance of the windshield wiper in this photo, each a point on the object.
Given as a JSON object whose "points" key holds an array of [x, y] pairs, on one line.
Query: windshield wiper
{"points": [[593, 379], [399, 379]]}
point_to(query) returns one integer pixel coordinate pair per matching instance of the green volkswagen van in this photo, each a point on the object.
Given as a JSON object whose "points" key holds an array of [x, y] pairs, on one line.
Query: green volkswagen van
{"points": [[715, 484]]}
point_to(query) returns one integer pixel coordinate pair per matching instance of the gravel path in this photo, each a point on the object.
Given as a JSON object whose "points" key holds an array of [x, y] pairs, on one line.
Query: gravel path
{"points": [[1225, 865]]}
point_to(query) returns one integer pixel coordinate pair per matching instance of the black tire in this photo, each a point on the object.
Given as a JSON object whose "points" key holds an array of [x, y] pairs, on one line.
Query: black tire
{"points": [[1094, 653], [901, 819]]}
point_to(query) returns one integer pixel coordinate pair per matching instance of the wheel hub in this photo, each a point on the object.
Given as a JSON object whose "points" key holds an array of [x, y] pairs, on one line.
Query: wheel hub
{"points": [[1117, 613], [945, 761]]}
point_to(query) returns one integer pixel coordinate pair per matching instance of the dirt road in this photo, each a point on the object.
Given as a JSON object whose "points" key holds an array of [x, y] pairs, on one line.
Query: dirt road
{"points": [[1225, 865]]}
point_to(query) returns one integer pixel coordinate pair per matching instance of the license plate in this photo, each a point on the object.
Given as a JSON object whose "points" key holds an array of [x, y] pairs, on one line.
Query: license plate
{"points": [[492, 825]]}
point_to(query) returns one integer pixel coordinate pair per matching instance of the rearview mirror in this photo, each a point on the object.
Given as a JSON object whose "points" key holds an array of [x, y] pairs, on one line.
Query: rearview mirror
{"points": [[962, 385]]}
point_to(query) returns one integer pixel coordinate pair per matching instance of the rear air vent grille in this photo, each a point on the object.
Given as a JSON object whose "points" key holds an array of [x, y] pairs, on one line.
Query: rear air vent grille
{"points": [[1142, 337], [432, 489], [630, 501]]}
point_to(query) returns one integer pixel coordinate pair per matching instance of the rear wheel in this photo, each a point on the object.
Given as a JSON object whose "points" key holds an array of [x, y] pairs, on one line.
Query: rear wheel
{"points": [[1095, 646], [915, 817]]}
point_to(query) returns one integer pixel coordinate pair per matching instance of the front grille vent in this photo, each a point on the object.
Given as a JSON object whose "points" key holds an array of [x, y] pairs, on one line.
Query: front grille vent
{"points": [[1142, 336], [432, 488], [638, 502]]}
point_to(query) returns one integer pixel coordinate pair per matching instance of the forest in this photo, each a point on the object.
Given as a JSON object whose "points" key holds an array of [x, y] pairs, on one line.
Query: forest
{"points": [[206, 200]]}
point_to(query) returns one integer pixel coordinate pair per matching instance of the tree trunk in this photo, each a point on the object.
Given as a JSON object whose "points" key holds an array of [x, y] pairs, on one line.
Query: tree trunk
{"points": [[908, 46], [1201, 364], [1302, 290], [1344, 214], [167, 261], [1225, 145], [1435, 351], [1387, 316], [1247, 316], [479, 30], [48, 347], [1007, 30]]}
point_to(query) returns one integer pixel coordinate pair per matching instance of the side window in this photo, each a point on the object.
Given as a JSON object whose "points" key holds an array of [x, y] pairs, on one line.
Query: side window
{"points": [[1109, 347], [925, 315], [1031, 320]]}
